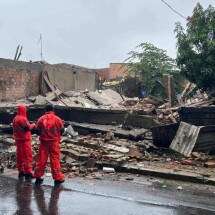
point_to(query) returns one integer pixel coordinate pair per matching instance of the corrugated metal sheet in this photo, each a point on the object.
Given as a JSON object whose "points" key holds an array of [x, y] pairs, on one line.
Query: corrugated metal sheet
{"points": [[200, 116], [206, 139]]}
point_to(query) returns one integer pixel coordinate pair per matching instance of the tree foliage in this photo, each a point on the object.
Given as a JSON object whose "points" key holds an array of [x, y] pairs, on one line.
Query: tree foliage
{"points": [[196, 47], [149, 63]]}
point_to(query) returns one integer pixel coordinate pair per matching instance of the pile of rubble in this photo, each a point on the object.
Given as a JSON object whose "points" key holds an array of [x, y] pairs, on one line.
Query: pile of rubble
{"points": [[107, 99], [111, 100], [152, 106], [80, 151], [87, 155], [112, 143]]}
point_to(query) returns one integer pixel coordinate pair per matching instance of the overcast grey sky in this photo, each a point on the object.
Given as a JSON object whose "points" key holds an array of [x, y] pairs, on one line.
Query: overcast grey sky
{"points": [[90, 33]]}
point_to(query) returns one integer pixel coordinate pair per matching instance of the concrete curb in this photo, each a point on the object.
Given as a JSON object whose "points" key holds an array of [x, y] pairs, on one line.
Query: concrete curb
{"points": [[164, 173]]}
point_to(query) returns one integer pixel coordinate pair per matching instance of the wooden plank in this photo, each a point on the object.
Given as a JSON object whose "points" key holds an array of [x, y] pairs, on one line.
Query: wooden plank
{"points": [[193, 138], [169, 88], [185, 139]]}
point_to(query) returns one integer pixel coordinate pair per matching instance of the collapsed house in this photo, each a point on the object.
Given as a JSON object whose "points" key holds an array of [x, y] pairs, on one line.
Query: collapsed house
{"points": [[23, 79], [107, 129]]}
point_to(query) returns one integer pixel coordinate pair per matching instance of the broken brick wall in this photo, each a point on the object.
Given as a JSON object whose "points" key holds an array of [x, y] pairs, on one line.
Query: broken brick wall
{"points": [[115, 70], [118, 70], [19, 79], [103, 74]]}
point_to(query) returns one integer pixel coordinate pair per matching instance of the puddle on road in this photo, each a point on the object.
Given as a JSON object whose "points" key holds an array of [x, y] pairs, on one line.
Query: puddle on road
{"points": [[25, 198]]}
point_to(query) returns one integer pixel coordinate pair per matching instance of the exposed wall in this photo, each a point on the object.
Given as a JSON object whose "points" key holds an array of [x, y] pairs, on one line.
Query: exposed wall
{"points": [[103, 74], [22, 79], [86, 80], [70, 77], [115, 70], [18, 79]]}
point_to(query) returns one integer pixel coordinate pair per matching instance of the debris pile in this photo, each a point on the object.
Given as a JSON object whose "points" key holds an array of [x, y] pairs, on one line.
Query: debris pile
{"points": [[83, 154], [88, 155], [108, 142], [107, 99], [91, 152], [7, 153], [112, 100], [193, 97]]}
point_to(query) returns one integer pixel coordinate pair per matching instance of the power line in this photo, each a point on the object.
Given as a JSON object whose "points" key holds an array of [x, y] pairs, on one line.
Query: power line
{"points": [[174, 10]]}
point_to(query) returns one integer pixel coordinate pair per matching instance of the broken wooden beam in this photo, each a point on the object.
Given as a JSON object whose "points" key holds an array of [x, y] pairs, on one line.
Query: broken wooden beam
{"points": [[169, 88]]}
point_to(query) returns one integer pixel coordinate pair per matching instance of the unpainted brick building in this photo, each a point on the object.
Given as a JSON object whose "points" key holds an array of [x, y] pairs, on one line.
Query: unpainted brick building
{"points": [[114, 71], [20, 79]]}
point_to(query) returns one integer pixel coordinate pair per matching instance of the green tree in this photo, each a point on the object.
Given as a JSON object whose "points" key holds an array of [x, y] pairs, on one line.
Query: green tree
{"points": [[196, 47], [149, 63]]}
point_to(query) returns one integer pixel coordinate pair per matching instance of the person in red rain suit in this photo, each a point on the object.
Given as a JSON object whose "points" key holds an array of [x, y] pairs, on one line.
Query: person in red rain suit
{"points": [[22, 135], [49, 128]]}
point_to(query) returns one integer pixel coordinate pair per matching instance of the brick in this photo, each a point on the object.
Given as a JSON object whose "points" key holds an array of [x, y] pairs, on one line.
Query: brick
{"points": [[17, 80]]}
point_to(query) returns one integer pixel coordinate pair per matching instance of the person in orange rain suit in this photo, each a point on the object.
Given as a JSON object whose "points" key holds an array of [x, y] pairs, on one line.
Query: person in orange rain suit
{"points": [[50, 128], [22, 135]]}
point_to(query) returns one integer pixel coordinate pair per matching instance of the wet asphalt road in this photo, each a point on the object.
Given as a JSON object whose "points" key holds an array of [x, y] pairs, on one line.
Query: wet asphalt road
{"points": [[83, 196]]}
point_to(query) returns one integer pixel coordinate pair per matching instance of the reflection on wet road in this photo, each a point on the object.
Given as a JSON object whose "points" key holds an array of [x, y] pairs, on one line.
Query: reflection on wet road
{"points": [[52, 207], [23, 198], [109, 198]]}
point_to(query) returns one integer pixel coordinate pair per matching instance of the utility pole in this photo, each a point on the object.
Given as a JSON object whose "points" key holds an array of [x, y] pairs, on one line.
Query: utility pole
{"points": [[41, 47]]}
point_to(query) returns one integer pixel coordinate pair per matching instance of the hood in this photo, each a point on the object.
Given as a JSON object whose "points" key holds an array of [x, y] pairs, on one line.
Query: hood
{"points": [[21, 110]]}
